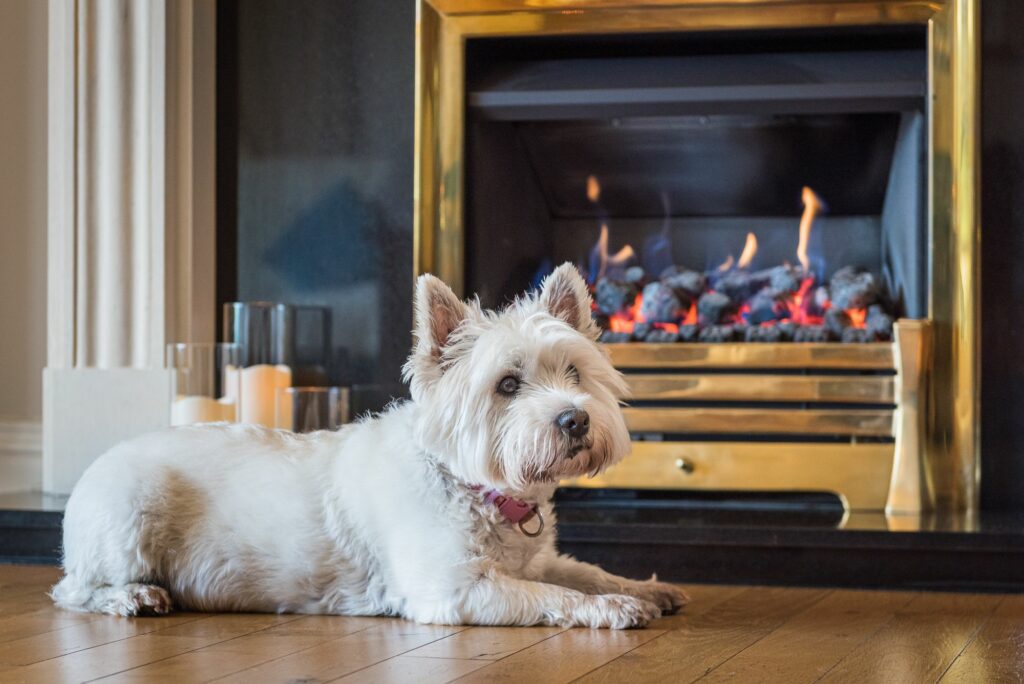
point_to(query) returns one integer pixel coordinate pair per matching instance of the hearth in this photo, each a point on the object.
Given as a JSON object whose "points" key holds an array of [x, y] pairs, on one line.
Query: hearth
{"points": [[761, 199]]}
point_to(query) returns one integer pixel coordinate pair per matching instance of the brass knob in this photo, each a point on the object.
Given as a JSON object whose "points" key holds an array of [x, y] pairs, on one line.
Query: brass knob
{"points": [[685, 465]]}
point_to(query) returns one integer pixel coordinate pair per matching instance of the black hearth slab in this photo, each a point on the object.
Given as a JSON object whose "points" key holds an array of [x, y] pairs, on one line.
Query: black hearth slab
{"points": [[732, 541], [30, 528]]}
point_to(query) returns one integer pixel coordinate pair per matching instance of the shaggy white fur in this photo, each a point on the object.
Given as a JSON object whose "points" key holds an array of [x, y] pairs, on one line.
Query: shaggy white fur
{"points": [[386, 516]]}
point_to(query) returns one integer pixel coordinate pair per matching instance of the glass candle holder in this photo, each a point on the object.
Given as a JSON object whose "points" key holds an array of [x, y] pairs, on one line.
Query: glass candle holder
{"points": [[307, 409], [203, 390], [264, 332]]}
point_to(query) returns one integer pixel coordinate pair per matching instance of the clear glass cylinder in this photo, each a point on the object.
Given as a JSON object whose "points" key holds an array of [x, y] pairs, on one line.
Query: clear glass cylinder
{"points": [[264, 331], [265, 334], [204, 388], [307, 409]]}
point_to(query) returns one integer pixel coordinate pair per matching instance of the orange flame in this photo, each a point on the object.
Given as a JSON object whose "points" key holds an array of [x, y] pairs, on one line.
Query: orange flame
{"points": [[727, 264], [593, 189], [749, 250], [812, 205], [623, 256]]}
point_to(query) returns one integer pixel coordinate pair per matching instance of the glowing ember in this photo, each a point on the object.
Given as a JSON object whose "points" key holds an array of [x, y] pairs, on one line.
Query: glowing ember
{"points": [[858, 317]]}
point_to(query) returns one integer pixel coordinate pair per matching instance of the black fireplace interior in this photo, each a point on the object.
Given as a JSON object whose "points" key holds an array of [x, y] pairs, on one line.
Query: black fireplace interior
{"points": [[698, 139]]}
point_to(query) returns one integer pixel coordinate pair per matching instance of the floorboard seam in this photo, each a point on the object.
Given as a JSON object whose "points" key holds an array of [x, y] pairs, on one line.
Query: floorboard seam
{"points": [[625, 653], [287, 655], [191, 650], [970, 640], [462, 629], [765, 635]]}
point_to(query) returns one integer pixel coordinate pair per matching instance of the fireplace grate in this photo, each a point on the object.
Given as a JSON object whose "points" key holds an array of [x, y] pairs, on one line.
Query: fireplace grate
{"points": [[843, 419]]}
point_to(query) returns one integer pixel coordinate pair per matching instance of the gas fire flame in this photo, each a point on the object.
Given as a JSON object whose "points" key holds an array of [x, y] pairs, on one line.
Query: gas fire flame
{"points": [[749, 250], [812, 205], [799, 307]]}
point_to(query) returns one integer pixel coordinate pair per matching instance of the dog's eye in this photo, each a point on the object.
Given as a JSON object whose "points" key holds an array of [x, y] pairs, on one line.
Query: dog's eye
{"points": [[509, 385], [574, 373]]}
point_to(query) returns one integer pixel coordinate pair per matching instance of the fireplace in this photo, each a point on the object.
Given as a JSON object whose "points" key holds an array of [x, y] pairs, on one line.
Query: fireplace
{"points": [[670, 151]]}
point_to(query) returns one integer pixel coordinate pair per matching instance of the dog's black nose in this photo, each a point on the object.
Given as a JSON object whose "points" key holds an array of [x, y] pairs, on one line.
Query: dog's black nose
{"points": [[574, 423]]}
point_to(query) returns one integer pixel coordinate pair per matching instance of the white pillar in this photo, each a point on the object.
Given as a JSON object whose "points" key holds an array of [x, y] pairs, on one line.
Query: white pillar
{"points": [[130, 235]]}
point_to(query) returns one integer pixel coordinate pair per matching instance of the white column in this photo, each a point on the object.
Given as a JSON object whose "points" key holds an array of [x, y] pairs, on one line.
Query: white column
{"points": [[130, 236]]}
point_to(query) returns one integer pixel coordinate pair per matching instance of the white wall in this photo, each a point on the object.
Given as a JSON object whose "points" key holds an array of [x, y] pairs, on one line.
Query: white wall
{"points": [[23, 116]]}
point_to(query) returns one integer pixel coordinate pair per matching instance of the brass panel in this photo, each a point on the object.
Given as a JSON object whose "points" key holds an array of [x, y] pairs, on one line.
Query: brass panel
{"points": [[860, 422], [835, 388], [912, 487], [857, 472], [738, 355]]}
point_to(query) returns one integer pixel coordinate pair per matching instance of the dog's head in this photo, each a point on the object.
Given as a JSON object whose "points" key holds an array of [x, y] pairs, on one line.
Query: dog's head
{"points": [[518, 396]]}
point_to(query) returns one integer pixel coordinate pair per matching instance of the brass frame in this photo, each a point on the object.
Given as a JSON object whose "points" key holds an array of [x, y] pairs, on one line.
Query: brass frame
{"points": [[950, 442]]}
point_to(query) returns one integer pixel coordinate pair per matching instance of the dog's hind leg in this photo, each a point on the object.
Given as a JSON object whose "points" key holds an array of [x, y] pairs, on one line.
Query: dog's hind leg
{"points": [[126, 600]]}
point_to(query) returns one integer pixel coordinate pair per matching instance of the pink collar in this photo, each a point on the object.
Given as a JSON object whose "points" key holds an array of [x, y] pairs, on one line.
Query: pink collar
{"points": [[514, 510]]}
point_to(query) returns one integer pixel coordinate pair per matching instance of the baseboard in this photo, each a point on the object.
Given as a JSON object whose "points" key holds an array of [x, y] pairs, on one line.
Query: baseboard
{"points": [[21, 456]]}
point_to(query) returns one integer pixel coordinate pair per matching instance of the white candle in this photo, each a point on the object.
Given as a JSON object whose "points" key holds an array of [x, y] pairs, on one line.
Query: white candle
{"points": [[187, 410], [257, 392]]}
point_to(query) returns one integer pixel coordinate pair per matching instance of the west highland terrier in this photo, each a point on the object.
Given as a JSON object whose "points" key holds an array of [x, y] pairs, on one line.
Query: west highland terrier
{"points": [[438, 510]]}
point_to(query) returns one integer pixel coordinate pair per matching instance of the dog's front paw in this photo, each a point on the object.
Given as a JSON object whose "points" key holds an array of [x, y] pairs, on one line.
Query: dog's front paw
{"points": [[616, 611], [668, 597]]}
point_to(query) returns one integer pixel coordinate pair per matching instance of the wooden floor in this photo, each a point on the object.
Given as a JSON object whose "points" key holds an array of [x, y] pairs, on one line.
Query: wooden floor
{"points": [[740, 634]]}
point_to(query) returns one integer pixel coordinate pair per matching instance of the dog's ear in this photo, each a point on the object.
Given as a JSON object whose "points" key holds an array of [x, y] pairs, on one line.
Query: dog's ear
{"points": [[438, 313], [564, 295]]}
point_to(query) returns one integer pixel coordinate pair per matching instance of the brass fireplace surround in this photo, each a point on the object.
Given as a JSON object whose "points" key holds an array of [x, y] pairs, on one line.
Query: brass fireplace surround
{"points": [[948, 456]]}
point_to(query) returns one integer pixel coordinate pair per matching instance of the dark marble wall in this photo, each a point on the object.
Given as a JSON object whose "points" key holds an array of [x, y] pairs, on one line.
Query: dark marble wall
{"points": [[315, 150], [1002, 255]]}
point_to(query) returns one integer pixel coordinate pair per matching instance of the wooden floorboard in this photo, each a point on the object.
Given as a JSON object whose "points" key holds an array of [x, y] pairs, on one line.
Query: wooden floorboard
{"points": [[727, 634]]}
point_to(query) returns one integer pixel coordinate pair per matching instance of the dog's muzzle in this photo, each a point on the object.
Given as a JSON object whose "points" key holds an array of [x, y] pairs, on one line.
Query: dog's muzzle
{"points": [[574, 423]]}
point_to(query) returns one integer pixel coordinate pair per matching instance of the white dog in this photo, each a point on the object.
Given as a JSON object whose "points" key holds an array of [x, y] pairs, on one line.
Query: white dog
{"points": [[437, 510]]}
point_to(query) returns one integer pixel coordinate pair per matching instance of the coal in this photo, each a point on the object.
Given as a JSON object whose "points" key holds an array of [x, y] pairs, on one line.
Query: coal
{"points": [[818, 303], [763, 307], [857, 336], [739, 330], [853, 288], [764, 333], [785, 279], [661, 335], [717, 333], [613, 296], [837, 320], [736, 285], [813, 333], [661, 305], [640, 331], [688, 285], [636, 275], [714, 307], [788, 330], [879, 322], [611, 337], [689, 332]]}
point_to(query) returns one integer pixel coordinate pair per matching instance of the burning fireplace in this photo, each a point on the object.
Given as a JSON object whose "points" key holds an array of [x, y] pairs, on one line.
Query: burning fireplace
{"points": [[760, 195]]}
